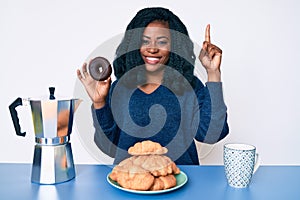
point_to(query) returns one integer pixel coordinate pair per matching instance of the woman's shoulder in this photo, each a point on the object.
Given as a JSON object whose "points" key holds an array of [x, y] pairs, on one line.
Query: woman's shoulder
{"points": [[114, 84], [120, 87], [197, 83]]}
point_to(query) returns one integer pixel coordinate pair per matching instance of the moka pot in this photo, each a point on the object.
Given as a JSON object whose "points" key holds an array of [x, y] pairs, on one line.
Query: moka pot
{"points": [[52, 122]]}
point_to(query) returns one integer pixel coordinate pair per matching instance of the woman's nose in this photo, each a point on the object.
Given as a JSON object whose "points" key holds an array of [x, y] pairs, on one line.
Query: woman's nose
{"points": [[152, 49]]}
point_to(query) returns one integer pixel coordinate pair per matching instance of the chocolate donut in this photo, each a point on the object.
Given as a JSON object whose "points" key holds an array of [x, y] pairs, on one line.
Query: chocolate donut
{"points": [[100, 68]]}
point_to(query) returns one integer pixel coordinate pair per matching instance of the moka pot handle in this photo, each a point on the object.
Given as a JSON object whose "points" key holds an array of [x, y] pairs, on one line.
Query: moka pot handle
{"points": [[14, 116]]}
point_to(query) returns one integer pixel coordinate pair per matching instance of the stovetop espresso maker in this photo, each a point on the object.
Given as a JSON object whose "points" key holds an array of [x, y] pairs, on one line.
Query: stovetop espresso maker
{"points": [[52, 122]]}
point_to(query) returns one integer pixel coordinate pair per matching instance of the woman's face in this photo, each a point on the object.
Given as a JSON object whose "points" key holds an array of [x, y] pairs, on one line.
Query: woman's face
{"points": [[156, 44]]}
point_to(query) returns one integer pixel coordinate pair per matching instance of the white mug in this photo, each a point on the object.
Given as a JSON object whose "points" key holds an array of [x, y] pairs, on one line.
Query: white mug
{"points": [[240, 161]]}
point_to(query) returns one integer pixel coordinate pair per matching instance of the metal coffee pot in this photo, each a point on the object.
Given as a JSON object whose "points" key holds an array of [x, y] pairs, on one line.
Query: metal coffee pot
{"points": [[52, 123]]}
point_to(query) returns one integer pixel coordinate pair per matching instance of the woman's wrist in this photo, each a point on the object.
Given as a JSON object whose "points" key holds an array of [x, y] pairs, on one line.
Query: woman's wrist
{"points": [[98, 105], [213, 76]]}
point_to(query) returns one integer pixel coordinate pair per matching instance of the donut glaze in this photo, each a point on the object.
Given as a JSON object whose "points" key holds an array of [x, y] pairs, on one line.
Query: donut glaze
{"points": [[100, 68]]}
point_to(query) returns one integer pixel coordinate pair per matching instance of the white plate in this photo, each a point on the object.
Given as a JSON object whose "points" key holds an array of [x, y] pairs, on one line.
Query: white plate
{"points": [[181, 179]]}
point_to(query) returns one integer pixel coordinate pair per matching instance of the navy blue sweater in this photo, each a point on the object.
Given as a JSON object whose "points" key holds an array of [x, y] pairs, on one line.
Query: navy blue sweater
{"points": [[130, 116]]}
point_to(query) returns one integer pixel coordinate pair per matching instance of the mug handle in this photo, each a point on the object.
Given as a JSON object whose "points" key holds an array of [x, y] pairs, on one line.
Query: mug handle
{"points": [[257, 163]]}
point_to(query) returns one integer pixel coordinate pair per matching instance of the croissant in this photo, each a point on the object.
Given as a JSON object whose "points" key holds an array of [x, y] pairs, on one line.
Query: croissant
{"points": [[147, 169], [147, 147], [164, 182]]}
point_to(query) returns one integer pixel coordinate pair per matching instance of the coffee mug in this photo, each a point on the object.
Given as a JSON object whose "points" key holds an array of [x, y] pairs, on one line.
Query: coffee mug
{"points": [[240, 161]]}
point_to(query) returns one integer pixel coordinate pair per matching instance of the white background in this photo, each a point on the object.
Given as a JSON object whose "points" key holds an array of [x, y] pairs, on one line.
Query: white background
{"points": [[42, 43]]}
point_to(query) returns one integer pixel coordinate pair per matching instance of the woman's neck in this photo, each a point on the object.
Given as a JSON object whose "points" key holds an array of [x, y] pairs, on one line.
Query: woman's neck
{"points": [[149, 88], [155, 76], [154, 80]]}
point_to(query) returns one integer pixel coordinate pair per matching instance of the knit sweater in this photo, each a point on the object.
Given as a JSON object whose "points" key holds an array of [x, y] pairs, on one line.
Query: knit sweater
{"points": [[174, 121]]}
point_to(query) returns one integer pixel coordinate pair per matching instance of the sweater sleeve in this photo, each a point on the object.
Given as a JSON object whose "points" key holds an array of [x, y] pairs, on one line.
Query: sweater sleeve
{"points": [[213, 125], [106, 131]]}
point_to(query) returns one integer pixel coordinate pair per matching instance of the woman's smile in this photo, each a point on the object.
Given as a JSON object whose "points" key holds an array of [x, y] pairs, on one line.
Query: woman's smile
{"points": [[152, 60], [156, 45]]}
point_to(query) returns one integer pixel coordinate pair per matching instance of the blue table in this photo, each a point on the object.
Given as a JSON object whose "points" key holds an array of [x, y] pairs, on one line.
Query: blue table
{"points": [[205, 182]]}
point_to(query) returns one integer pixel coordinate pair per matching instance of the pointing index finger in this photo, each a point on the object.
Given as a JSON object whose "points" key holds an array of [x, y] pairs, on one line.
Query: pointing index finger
{"points": [[207, 33]]}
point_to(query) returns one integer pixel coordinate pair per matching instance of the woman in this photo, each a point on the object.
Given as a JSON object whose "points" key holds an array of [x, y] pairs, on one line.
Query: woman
{"points": [[156, 95]]}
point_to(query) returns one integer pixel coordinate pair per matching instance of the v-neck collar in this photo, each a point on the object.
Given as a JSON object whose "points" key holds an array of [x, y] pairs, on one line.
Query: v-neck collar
{"points": [[153, 92]]}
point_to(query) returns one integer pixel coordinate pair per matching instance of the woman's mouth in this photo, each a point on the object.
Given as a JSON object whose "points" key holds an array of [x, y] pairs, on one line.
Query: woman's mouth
{"points": [[152, 60]]}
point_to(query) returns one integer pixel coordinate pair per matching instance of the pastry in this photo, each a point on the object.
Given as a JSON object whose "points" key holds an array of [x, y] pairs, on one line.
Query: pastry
{"points": [[147, 147], [100, 68], [164, 182], [147, 169]]}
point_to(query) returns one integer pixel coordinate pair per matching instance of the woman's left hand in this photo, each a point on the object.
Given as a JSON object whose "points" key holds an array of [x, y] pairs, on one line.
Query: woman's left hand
{"points": [[211, 56]]}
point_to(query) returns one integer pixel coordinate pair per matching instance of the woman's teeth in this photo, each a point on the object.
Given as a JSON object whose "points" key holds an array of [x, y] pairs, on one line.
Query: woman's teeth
{"points": [[152, 59]]}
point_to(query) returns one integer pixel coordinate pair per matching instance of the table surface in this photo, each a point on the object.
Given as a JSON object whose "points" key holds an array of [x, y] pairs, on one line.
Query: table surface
{"points": [[204, 182]]}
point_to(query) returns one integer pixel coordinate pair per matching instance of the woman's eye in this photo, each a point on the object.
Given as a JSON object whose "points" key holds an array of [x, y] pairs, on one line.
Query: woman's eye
{"points": [[162, 43], [145, 42]]}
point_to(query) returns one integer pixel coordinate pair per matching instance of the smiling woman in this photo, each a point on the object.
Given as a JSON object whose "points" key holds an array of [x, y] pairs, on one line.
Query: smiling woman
{"points": [[155, 51], [156, 44], [156, 95]]}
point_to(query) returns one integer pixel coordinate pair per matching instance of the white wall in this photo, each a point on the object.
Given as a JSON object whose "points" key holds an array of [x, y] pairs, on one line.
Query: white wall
{"points": [[42, 43]]}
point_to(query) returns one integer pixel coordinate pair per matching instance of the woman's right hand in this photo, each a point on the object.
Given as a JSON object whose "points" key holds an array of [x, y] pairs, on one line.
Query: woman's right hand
{"points": [[97, 90]]}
